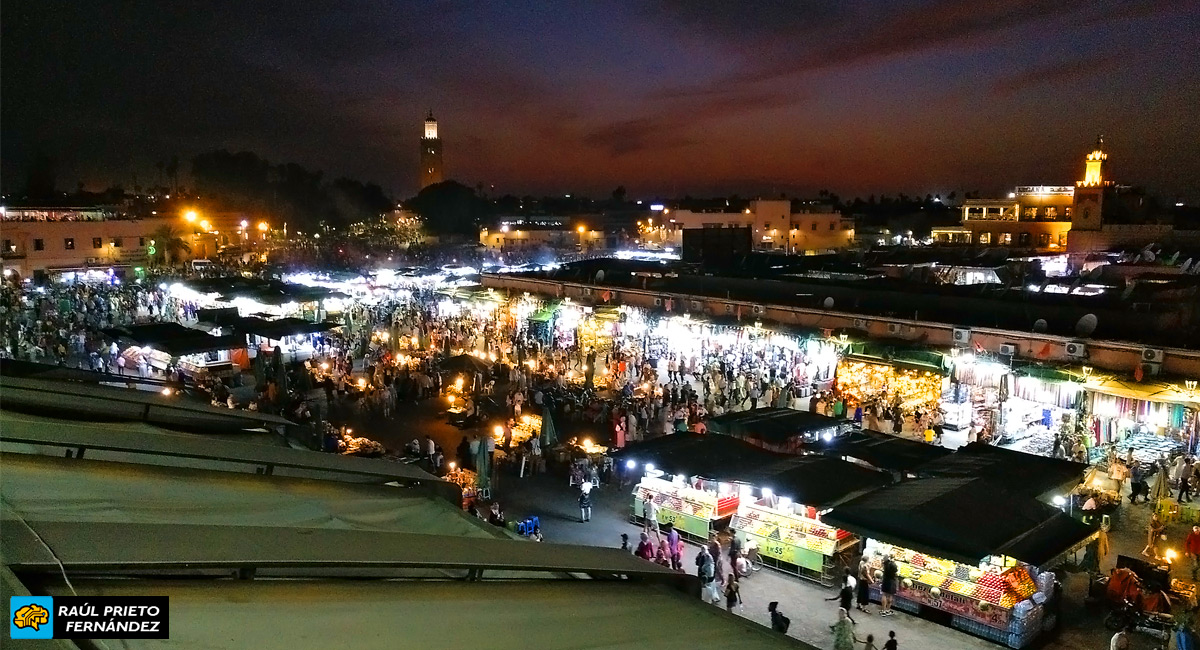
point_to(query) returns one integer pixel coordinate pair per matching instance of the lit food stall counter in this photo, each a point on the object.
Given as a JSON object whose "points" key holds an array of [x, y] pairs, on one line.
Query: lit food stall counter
{"points": [[1001, 599], [796, 543], [693, 512]]}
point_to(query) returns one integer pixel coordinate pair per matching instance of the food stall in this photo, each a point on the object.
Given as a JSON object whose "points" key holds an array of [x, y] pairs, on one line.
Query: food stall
{"points": [[697, 507], [969, 552], [867, 381], [781, 430]]}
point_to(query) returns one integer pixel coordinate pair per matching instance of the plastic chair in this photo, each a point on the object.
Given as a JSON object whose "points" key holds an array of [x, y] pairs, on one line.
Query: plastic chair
{"points": [[534, 522], [522, 528]]}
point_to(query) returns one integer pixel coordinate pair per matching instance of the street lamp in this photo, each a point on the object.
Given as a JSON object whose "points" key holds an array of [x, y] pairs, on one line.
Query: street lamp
{"points": [[190, 216], [262, 226]]}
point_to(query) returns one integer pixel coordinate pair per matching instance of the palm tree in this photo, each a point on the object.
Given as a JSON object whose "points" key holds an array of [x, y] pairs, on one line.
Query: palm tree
{"points": [[169, 245]]}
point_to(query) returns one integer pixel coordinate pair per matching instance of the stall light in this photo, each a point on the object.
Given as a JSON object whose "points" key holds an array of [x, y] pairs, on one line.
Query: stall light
{"points": [[525, 419], [630, 464], [649, 467], [450, 399], [349, 430], [828, 436], [766, 492], [499, 430], [362, 383], [1059, 500], [451, 466], [1171, 555], [785, 503], [1087, 372], [324, 366], [458, 383], [744, 491], [166, 391], [587, 442]]}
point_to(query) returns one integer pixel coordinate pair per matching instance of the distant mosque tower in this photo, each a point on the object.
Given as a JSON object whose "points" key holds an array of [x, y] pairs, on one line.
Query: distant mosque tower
{"points": [[431, 154]]}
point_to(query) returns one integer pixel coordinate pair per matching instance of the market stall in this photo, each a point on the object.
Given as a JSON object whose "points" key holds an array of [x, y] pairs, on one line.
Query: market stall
{"points": [[697, 507], [968, 552], [153, 349], [1152, 416], [778, 429], [910, 379]]}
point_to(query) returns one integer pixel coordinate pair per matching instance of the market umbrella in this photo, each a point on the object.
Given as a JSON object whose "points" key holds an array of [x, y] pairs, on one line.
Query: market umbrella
{"points": [[549, 436], [465, 363], [1162, 486], [483, 479]]}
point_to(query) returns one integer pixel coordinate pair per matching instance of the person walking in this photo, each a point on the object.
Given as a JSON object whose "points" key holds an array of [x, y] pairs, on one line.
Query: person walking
{"points": [[705, 571], [1185, 482], [585, 502], [845, 595], [733, 596], [1154, 533], [1192, 547], [843, 631], [675, 545], [779, 622], [650, 516], [891, 643]]}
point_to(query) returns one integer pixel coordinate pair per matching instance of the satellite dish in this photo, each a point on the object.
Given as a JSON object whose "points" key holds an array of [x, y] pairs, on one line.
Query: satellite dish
{"points": [[600, 275], [1149, 256], [1040, 325], [1173, 259], [1186, 264], [1137, 258], [828, 303], [1086, 325]]}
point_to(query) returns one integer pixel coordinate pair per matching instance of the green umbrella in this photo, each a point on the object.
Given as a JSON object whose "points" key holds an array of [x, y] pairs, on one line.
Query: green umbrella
{"points": [[549, 437], [483, 480]]}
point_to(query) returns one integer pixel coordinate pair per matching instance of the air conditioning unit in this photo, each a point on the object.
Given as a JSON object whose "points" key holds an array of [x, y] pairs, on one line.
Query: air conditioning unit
{"points": [[894, 328], [1151, 369], [729, 309], [860, 323], [962, 336], [587, 291], [759, 310], [1008, 349], [658, 302], [1076, 349], [1150, 355], [697, 305]]}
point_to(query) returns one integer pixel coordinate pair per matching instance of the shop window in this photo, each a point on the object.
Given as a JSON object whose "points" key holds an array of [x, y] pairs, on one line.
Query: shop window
{"points": [[1006, 239], [985, 238], [1043, 240], [1030, 213], [69, 243], [116, 242], [97, 242], [39, 244], [1024, 238]]}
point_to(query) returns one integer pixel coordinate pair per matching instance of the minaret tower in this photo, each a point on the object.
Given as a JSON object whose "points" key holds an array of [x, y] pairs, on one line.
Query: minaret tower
{"points": [[1088, 209], [431, 153]]}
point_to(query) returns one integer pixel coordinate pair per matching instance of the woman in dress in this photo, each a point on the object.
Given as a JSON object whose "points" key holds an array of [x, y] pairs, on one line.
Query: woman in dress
{"points": [[843, 631]]}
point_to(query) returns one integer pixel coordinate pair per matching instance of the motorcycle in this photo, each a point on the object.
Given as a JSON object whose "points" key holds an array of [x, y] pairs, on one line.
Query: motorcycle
{"points": [[1129, 615]]}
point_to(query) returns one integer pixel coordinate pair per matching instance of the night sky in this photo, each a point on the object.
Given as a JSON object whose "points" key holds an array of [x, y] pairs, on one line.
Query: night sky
{"points": [[674, 97]]}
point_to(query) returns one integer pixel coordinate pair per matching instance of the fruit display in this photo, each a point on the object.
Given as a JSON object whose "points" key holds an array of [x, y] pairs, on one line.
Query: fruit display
{"points": [[525, 428], [689, 501], [791, 529], [997, 585]]}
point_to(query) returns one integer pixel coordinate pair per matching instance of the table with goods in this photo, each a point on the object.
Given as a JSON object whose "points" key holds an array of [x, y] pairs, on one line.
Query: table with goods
{"points": [[695, 513], [791, 538], [1001, 599]]}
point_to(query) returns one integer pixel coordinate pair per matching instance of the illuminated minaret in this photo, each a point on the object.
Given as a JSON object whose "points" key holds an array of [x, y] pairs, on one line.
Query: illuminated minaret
{"points": [[431, 153], [1088, 210]]}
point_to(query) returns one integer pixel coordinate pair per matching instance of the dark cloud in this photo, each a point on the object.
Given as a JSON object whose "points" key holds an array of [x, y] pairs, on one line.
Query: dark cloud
{"points": [[1052, 74]]}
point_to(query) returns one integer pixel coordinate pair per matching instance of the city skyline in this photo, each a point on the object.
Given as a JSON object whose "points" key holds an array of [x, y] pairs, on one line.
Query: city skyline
{"points": [[669, 98]]}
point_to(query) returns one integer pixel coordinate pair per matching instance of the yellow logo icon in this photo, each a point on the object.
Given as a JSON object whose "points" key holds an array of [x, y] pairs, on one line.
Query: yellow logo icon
{"points": [[31, 616]]}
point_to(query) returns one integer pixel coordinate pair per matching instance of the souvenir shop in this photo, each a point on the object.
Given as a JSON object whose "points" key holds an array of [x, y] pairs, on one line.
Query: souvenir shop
{"points": [[1152, 417], [1022, 408]]}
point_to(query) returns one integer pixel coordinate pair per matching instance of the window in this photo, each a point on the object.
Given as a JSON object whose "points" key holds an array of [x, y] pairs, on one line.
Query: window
{"points": [[1062, 239], [8, 246], [1067, 212], [142, 242], [1024, 238], [832, 225], [39, 244], [97, 242], [116, 242], [1043, 240], [1030, 213], [1005, 239], [814, 225], [985, 238], [1051, 212], [69, 243]]}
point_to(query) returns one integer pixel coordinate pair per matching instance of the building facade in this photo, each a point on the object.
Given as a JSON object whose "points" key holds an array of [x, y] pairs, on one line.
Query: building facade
{"points": [[432, 171], [70, 239], [776, 225]]}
